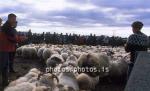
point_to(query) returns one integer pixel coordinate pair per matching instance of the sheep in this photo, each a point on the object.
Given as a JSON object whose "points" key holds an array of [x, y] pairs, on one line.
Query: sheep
{"points": [[69, 67], [77, 54], [31, 76], [21, 87], [99, 63], [19, 51], [41, 88], [26, 86], [25, 52], [33, 52], [118, 70], [18, 81], [46, 53], [57, 71], [40, 52], [104, 62], [86, 82], [35, 70], [64, 55], [89, 60], [43, 82], [48, 80], [72, 58], [60, 87], [29, 52], [68, 79], [54, 60], [58, 50], [54, 52], [37, 47]]}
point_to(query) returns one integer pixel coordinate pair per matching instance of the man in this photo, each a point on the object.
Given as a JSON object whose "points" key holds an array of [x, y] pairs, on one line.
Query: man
{"points": [[138, 41], [8, 40]]}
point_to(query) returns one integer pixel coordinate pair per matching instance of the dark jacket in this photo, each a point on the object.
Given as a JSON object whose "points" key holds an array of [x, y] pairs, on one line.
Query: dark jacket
{"points": [[136, 42], [9, 31], [8, 38]]}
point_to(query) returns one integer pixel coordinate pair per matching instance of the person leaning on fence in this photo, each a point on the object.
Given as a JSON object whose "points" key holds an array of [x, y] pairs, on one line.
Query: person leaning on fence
{"points": [[138, 41], [8, 40]]}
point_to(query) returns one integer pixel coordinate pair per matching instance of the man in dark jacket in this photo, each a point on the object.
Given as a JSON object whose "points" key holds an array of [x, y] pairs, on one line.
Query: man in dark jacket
{"points": [[8, 40], [138, 41]]}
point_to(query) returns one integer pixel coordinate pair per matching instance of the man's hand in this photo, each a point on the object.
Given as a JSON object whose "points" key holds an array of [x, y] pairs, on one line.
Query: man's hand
{"points": [[23, 38]]}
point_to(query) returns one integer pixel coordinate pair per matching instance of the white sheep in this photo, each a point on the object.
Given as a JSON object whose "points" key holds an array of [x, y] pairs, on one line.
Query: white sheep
{"points": [[48, 80], [86, 82], [40, 52], [19, 51], [31, 76], [89, 60], [46, 53], [54, 60], [104, 62], [26, 86], [68, 79], [57, 50], [41, 88], [77, 53], [118, 70], [60, 87], [99, 63], [64, 55], [18, 81], [72, 58], [29, 52]]}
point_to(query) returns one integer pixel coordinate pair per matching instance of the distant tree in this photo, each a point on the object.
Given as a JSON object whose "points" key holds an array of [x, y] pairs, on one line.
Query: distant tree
{"points": [[29, 35]]}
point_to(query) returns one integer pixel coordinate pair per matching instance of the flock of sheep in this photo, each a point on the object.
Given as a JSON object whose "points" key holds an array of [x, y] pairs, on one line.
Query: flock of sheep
{"points": [[113, 61]]}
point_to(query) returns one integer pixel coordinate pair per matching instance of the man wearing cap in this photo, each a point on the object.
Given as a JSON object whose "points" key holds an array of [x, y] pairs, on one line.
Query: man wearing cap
{"points": [[137, 41]]}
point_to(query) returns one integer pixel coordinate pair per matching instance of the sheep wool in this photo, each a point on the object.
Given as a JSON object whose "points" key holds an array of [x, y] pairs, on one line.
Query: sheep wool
{"points": [[64, 55], [46, 53], [54, 60], [21, 87], [86, 82], [68, 79], [40, 52]]}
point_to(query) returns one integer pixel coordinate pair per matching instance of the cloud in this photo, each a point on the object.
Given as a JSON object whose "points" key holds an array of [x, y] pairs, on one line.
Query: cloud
{"points": [[75, 15]]}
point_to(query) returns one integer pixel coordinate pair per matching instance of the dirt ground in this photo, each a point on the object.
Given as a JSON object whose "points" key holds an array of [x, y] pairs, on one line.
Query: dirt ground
{"points": [[22, 66]]}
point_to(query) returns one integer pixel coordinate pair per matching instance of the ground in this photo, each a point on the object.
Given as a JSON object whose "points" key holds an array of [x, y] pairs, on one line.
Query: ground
{"points": [[22, 66]]}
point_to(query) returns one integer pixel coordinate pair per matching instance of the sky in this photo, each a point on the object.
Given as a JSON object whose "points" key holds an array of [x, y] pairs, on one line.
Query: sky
{"points": [[100, 17]]}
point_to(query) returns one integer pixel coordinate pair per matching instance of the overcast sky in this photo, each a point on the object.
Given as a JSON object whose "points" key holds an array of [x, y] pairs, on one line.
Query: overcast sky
{"points": [[106, 17]]}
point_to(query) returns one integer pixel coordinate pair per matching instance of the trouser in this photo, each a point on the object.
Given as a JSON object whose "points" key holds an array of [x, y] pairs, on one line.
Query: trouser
{"points": [[11, 61], [130, 67], [4, 62]]}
